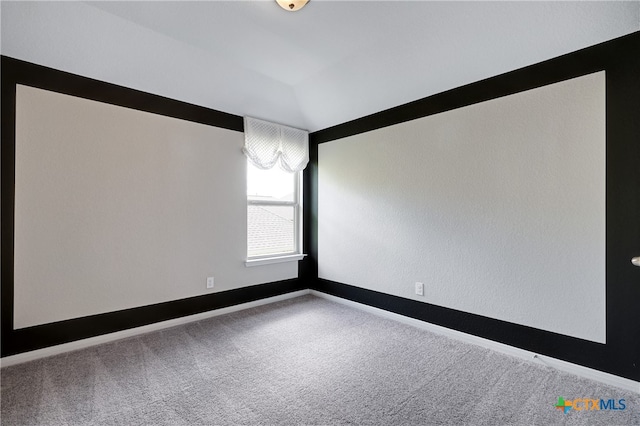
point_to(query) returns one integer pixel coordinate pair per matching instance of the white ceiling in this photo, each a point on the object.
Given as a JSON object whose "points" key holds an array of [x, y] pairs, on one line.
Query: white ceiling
{"points": [[331, 62]]}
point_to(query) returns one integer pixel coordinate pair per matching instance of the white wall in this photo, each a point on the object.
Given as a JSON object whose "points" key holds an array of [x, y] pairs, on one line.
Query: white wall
{"points": [[498, 208], [118, 208]]}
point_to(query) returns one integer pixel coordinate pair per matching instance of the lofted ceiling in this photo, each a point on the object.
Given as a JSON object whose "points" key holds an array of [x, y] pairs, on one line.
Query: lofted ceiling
{"points": [[329, 63]]}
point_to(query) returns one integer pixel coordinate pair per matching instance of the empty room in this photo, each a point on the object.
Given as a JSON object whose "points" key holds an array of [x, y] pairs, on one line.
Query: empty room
{"points": [[320, 212]]}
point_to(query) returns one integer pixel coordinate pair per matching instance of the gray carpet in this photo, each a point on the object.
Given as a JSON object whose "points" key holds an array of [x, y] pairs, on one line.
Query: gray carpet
{"points": [[302, 361]]}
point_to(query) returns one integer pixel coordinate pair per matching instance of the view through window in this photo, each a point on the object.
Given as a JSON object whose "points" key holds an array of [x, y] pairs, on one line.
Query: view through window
{"points": [[273, 210]]}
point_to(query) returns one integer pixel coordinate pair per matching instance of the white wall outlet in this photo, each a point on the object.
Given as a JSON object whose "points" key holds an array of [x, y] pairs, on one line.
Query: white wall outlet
{"points": [[209, 282], [420, 289]]}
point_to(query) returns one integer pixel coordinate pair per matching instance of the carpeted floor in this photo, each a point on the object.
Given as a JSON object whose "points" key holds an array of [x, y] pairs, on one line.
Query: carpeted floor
{"points": [[302, 361]]}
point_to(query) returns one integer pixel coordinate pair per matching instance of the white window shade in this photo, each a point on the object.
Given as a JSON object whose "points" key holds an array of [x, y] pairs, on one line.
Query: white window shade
{"points": [[267, 143]]}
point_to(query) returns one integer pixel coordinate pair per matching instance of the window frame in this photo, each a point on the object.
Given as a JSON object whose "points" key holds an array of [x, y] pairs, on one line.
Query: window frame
{"points": [[297, 203]]}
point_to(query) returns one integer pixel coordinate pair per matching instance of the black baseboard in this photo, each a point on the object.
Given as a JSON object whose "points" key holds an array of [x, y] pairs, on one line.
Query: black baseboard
{"points": [[571, 349], [42, 336]]}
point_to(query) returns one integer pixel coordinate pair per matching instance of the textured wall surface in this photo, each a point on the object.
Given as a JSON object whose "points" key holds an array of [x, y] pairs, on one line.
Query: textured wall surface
{"points": [[498, 208], [118, 208]]}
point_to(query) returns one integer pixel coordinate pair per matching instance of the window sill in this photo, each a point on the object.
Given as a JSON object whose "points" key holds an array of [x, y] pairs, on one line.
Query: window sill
{"points": [[275, 259]]}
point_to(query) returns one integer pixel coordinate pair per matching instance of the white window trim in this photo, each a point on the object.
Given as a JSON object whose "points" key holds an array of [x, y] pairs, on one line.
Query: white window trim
{"points": [[273, 259], [296, 254]]}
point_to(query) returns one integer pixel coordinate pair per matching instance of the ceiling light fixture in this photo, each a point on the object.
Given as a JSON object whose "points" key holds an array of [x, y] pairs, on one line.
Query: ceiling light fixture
{"points": [[292, 5]]}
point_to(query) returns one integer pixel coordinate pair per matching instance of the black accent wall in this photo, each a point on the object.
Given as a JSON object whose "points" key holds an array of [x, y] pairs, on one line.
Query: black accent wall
{"points": [[620, 59]]}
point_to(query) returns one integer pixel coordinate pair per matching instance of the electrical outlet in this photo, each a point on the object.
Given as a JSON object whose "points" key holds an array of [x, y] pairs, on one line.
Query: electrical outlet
{"points": [[420, 289], [210, 282]]}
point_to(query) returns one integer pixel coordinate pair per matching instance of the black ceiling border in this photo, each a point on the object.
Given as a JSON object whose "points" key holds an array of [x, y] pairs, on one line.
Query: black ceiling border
{"points": [[574, 64], [22, 72]]}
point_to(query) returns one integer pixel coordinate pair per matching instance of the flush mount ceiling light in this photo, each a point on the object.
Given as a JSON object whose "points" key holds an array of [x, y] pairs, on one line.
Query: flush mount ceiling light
{"points": [[292, 5]]}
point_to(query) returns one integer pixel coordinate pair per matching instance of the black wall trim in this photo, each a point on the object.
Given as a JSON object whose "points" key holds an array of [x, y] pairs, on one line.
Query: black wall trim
{"points": [[620, 60], [21, 72], [42, 336], [309, 266], [575, 64]]}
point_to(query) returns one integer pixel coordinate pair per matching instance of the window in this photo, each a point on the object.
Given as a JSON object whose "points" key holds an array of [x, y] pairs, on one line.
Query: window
{"points": [[273, 212], [276, 156]]}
